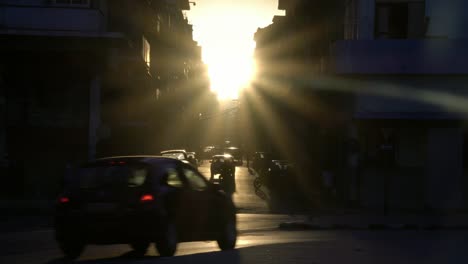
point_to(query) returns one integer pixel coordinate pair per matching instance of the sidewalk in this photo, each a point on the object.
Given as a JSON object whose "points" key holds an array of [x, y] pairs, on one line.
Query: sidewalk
{"points": [[25, 215], [377, 221], [27, 206]]}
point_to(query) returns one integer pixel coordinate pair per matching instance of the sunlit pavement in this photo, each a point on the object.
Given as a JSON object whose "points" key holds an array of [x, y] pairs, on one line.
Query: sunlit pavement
{"points": [[245, 199]]}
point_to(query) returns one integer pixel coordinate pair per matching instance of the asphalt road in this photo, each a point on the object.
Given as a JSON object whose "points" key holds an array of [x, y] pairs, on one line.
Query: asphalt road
{"points": [[259, 241], [263, 244], [245, 199]]}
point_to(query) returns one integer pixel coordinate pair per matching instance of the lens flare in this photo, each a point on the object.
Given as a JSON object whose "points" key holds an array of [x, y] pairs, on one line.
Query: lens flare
{"points": [[230, 74]]}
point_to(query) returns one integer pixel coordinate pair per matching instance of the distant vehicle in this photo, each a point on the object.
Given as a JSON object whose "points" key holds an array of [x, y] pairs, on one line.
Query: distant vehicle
{"points": [[179, 154], [222, 164], [192, 158], [139, 200], [236, 153], [208, 148], [208, 151], [282, 164]]}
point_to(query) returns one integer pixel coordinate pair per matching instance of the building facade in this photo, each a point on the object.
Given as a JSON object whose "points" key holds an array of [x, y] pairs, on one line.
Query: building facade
{"points": [[402, 66], [83, 79]]}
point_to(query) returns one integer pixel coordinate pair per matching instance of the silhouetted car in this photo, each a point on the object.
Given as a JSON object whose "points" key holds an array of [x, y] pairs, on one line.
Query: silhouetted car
{"points": [[139, 200], [208, 151], [179, 154], [222, 164], [192, 158], [236, 154]]}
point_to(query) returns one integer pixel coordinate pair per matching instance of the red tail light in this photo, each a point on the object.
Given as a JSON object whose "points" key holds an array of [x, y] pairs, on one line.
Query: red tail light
{"points": [[147, 198], [64, 199], [117, 163]]}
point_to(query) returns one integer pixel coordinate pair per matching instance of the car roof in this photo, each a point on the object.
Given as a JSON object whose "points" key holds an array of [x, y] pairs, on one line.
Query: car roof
{"points": [[222, 156], [136, 158], [153, 161]]}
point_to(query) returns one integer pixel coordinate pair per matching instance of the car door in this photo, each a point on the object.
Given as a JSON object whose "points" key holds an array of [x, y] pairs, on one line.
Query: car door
{"points": [[198, 201], [171, 193]]}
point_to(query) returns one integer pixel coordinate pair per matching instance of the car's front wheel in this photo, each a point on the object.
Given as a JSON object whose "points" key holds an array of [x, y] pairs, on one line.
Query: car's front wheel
{"points": [[228, 234], [167, 241]]}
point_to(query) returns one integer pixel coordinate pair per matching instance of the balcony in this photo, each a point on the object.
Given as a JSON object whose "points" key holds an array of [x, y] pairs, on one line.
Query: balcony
{"points": [[430, 56], [51, 19]]}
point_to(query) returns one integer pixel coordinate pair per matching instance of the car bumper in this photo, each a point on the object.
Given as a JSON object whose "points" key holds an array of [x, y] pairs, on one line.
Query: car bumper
{"points": [[109, 228]]}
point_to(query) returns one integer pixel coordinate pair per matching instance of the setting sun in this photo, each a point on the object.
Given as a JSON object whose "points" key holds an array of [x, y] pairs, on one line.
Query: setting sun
{"points": [[229, 74], [225, 30]]}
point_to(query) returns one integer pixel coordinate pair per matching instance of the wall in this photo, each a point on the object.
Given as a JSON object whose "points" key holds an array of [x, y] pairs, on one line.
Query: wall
{"points": [[38, 15], [444, 169], [405, 173], [60, 19], [366, 12], [412, 97], [47, 100], [447, 19]]}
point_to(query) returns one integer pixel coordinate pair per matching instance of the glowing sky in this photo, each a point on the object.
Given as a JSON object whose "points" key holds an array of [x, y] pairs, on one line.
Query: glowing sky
{"points": [[225, 29]]}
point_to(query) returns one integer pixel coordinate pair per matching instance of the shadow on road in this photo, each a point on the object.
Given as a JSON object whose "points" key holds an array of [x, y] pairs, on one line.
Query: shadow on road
{"points": [[371, 247], [225, 257]]}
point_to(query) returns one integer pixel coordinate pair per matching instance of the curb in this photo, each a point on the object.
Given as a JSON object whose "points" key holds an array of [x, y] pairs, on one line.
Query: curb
{"points": [[294, 226]]}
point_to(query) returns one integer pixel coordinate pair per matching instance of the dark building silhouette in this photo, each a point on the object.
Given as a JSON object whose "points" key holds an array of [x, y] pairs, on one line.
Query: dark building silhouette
{"points": [[382, 89], [83, 79]]}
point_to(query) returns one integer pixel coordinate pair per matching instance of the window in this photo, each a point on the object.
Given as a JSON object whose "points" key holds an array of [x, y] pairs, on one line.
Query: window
{"points": [[172, 178], [195, 180], [391, 20], [137, 177], [351, 20], [112, 176]]}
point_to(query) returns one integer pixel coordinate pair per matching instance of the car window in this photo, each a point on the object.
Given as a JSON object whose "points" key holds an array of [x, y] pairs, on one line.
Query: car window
{"points": [[112, 176], [195, 180], [137, 177], [172, 178]]}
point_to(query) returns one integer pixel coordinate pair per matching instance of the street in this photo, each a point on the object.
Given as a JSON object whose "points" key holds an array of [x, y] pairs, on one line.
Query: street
{"points": [[265, 245], [260, 241], [245, 199]]}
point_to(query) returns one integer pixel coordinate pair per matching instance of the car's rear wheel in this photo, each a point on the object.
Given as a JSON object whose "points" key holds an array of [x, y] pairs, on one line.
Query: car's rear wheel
{"points": [[167, 241], [140, 247], [228, 234], [71, 248]]}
